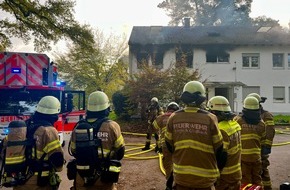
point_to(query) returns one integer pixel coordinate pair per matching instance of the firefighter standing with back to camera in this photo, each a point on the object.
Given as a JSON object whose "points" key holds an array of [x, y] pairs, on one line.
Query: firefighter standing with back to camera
{"points": [[231, 174], [46, 154], [266, 150], [253, 135], [160, 125], [112, 143], [153, 111], [195, 141]]}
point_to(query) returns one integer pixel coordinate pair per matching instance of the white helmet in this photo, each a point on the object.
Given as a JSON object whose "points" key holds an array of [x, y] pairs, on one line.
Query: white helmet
{"points": [[219, 103], [173, 106], [154, 99], [98, 101], [48, 105], [194, 86], [251, 103]]}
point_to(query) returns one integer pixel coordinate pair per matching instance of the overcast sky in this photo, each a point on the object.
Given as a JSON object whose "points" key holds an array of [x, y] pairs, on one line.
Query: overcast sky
{"points": [[119, 16]]}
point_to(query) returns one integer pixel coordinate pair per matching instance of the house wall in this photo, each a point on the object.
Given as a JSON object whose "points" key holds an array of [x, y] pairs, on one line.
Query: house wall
{"points": [[264, 77]]}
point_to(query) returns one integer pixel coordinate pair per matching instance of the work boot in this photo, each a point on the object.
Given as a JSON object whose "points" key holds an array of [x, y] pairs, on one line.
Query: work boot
{"points": [[147, 146]]}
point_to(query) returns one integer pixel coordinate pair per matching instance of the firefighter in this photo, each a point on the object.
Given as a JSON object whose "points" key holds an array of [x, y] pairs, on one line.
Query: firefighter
{"points": [[113, 146], [253, 135], [160, 125], [195, 142], [152, 111], [231, 175], [49, 153], [266, 150]]}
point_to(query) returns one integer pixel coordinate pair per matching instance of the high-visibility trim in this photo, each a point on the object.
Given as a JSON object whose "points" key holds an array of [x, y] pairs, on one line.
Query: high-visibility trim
{"points": [[250, 137], [114, 169], [194, 145], [267, 142], [105, 152], [267, 183], [217, 138], [15, 160], [231, 169], [156, 126], [230, 127], [234, 149], [84, 131], [192, 170], [119, 142], [251, 151], [43, 173], [168, 135], [191, 109], [52, 146], [226, 145], [269, 122], [83, 167], [39, 155]]}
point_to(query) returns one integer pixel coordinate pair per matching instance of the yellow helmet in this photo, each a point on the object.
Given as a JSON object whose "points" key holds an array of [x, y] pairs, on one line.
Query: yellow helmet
{"points": [[194, 86], [255, 95], [251, 103], [219, 103], [48, 105], [98, 101]]}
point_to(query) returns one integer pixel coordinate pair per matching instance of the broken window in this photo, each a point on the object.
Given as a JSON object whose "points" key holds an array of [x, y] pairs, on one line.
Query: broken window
{"points": [[184, 56], [157, 60], [142, 59], [251, 60], [217, 57]]}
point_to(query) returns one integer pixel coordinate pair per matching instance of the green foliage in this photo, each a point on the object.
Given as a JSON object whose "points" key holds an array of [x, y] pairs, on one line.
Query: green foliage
{"points": [[281, 119], [44, 22], [150, 82], [101, 68], [120, 105]]}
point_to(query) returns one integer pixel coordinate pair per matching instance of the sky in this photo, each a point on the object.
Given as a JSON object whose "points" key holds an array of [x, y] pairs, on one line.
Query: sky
{"points": [[119, 16]]}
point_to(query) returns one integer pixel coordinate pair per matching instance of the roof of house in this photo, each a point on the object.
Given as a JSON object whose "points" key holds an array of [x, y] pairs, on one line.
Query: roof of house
{"points": [[204, 35]]}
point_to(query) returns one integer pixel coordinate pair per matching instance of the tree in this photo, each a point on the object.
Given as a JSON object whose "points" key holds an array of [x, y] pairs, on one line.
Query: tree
{"points": [[44, 21], [102, 68], [167, 85], [215, 12]]}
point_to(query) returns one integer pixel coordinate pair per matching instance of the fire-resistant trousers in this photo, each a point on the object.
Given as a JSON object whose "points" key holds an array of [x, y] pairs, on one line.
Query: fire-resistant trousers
{"points": [[251, 172], [223, 185], [265, 173], [167, 162], [180, 187]]}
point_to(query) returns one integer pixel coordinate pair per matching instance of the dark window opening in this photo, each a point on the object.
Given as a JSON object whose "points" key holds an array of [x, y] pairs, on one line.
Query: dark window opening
{"points": [[157, 60], [217, 57], [142, 59], [184, 56]]}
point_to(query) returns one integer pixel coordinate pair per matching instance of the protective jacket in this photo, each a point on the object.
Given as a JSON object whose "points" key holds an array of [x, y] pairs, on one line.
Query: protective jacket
{"points": [[112, 142], [48, 144], [253, 138], [160, 124], [194, 138], [270, 130], [231, 132]]}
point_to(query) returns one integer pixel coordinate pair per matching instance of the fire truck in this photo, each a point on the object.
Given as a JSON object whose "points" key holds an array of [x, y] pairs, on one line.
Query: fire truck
{"points": [[27, 77]]}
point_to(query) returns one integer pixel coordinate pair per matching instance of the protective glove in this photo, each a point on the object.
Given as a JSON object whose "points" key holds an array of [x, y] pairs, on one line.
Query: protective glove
{"points": [[265, 150]]}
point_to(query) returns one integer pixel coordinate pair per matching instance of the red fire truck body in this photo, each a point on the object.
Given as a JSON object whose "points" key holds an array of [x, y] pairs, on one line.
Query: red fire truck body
{"points": [[27, 77]]}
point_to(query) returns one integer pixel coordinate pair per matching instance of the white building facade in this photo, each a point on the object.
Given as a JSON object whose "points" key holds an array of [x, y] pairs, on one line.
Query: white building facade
{"points": [[233, 62]]}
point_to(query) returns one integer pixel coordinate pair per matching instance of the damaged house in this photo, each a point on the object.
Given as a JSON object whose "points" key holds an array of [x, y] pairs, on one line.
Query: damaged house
{"points": [[233, 60]]}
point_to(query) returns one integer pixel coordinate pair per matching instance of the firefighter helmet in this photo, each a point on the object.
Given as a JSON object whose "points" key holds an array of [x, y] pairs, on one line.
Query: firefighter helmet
{"points": [[251, 103], [173, 106], [48, 105], [194, 86], [255, 95], [154, 99], [219, 103], [98, 101]]}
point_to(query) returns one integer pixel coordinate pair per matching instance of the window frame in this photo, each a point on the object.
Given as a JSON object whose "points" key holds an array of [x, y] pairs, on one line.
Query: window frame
{"points": [[250, 56], [282, 61], [277, 99]]}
